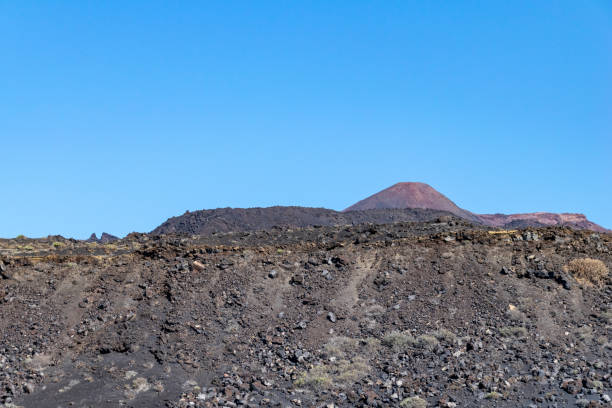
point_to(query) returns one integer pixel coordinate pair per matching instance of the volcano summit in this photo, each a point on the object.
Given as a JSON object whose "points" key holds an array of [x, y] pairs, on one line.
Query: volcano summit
{"points": [[412, 195], [421, 195]]}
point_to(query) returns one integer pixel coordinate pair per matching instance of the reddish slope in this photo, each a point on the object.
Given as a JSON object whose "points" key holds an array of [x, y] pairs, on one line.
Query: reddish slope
{"points": [[578, 221], [411, 195], [420, 195]]}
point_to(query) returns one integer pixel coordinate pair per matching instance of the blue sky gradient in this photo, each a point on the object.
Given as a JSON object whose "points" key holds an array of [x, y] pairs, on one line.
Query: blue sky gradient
{"points": [[117, 115]]}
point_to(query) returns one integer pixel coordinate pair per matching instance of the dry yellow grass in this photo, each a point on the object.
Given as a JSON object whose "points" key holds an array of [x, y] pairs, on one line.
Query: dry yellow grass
{"points": [[588, 271], [503, 232]]}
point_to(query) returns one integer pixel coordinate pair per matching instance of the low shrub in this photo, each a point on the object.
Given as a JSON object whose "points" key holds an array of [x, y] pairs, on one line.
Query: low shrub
{"points": [[348, 361], [341, 346], [588, 271], [413, 402], [427, 342], [317, 377], [337, 374], [445, 335], [399, 340], [493, 395]]}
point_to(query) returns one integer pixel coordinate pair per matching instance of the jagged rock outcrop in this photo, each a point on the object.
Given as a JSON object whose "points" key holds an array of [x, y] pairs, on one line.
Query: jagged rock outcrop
{"points": [[104, 238]]}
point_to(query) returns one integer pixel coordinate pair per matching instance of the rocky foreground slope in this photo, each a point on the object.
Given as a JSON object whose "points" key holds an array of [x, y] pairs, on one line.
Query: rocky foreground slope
{"points": [[407, 314]]}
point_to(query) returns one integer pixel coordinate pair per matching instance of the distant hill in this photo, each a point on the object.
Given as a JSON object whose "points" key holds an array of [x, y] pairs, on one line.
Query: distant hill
{"points": [[402, 202], [412, 195], [253, 219], [421, 195], [540, 219]]}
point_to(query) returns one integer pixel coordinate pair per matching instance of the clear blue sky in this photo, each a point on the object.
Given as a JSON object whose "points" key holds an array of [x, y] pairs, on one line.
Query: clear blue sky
{"points": [[116, 115]]}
